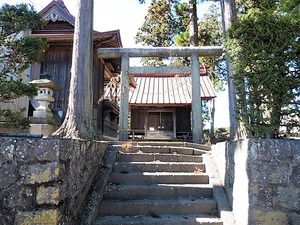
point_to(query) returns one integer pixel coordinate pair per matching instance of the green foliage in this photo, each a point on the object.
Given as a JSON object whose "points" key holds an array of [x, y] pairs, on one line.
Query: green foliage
{"points": [[221, 132], [20, 17], [289, 6], [14, 119], [264, 49], [17, 52], [210, 34], [12, 89], [165, 19], [161, 24], [167, 24]]}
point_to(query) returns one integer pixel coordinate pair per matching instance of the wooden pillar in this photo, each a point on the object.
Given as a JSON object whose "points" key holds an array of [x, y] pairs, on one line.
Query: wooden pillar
{"points": [[123, 123], [174, 122], [197, 129]]}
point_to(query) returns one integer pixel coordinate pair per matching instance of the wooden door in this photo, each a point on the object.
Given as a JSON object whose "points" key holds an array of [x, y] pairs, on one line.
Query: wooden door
{"points": [[160, 121]]}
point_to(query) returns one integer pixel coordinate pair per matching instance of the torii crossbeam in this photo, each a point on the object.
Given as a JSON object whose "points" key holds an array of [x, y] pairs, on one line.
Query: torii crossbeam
{"points": [[193, 52]]}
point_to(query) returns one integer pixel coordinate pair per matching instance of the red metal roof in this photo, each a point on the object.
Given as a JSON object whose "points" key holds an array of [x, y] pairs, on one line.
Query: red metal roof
{"points": [[167, 90]]}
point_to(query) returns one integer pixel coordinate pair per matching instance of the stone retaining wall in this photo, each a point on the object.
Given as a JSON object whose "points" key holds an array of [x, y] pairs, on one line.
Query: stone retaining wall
{"points": [[262, 180], [45, 181]]}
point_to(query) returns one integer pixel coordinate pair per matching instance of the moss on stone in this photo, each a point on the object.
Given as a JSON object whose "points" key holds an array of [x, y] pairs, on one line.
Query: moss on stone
{"points": [[270, 218], [49, 217]]}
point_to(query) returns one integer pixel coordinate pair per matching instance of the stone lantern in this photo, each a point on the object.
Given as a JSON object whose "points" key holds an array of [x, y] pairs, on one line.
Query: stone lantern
{"points": [[42, 121]]}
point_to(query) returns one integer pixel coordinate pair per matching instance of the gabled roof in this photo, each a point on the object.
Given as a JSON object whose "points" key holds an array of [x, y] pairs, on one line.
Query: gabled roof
{"points": [[57, 11], [108, 39], [167, 90]]}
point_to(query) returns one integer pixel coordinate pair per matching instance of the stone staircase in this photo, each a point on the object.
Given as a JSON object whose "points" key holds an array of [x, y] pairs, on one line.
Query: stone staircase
{"points": [[157, 185], [160, 135]]}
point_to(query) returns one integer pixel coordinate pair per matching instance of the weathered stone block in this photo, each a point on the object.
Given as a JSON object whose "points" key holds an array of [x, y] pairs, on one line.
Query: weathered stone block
{"points": [[262, 196], [49, 195], [65, 149], [8, 174], [269, 218], [261, 150], [278, 174], [295, 176], [40, 173], [269, 173], [7, 149], [288, 198], [6, 217], [257, 174], [20, 197], [295, 145], [30, 175], [47, 149], [282, 151], [76, 181], [49, 217], [101, 146], [295, 219], [25, 150]]}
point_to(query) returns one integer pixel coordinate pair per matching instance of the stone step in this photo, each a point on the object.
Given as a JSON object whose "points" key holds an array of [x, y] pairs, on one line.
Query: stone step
{"points": [[177, 206], [147, 157], [157, 185], [158, 220], [126, 167], [154, 191], [159, 149], [159, 178]]}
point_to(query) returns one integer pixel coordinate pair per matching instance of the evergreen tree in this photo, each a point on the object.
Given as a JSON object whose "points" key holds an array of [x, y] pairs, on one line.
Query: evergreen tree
{"points": [[210, 34], [17, 52], [264, 49], [152, 33], [165, 19]]}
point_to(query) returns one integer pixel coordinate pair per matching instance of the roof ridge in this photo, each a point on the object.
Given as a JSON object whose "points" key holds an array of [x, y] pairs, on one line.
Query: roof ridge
{"points": [[57, 7], [62, 4], [202, 73]]}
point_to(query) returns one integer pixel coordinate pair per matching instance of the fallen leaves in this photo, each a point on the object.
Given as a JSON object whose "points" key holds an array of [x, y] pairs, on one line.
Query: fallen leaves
{"points": [[198, 170]]}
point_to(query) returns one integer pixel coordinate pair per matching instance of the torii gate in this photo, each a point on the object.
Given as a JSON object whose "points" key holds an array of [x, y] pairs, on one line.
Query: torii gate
{"points": [[194, 69]]}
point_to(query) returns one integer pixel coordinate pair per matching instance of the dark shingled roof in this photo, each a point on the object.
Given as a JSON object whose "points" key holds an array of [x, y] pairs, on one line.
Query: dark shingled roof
{"points": [[59, 9]]}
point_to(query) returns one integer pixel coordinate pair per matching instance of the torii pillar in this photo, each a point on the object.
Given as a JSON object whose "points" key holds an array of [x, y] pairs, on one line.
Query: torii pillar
{"points": [[193, 52], [197, 125], [124, 98]]}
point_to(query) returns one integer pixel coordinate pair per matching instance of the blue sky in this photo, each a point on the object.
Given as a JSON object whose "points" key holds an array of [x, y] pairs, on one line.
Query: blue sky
{"points": [[127, 16]]}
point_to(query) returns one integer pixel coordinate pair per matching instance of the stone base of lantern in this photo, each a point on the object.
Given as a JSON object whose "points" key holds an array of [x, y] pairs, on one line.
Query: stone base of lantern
{"points": [[45, 129], [42, 121]]}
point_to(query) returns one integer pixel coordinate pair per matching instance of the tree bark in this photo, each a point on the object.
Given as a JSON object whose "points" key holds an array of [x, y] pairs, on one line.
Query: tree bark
{"points": [[78, 122], [228, 16], [194, 37]]}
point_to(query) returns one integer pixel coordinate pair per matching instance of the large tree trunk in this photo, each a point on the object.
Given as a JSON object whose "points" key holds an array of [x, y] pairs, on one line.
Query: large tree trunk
{"points": [[228, 16], [79, 118], [194, 37]]}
